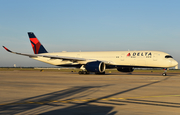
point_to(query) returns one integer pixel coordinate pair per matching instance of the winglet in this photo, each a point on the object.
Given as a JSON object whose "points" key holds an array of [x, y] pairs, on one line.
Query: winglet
{"points": [[7, 49]]}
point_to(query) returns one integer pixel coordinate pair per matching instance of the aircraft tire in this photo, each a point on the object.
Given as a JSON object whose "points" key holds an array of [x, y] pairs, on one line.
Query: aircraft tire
{"points": [[80, 72], [164, 74], [83, 72], [98, 73]]}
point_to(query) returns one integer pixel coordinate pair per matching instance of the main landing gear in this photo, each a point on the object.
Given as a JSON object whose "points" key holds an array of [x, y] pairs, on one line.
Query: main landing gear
{"points": [[86, 72], [98, 73], [83, 72]]}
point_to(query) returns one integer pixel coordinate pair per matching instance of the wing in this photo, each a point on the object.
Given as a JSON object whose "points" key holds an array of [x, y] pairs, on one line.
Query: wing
{"points": [[30, 55], [73, 59], [47, 56]]}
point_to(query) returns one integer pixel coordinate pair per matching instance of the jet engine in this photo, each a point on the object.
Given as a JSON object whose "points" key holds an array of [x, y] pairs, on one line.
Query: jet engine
{"points": [[96, 66], [125, 69]]}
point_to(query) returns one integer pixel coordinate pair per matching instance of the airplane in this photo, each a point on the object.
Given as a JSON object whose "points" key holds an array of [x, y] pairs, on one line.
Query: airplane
{"points": [[99, 61]]}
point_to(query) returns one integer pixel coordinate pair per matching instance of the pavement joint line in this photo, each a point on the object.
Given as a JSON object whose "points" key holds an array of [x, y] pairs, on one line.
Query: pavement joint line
{"points": [[85, 100]]}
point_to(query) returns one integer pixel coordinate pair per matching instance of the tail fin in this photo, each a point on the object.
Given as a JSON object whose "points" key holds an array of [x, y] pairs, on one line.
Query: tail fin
{"points": [[36, 45]]}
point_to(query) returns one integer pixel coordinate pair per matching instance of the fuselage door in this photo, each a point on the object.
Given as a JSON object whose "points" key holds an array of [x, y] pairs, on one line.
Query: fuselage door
{"points": [[122, 57], [155, 57]]}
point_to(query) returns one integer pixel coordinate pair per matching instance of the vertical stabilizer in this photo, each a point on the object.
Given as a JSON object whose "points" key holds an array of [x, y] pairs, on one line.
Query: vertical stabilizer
{"points": [[36, 45]]}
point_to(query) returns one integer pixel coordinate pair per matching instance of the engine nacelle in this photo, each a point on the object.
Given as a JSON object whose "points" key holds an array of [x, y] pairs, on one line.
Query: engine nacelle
{"points": [[125, 69], [96, 66]]}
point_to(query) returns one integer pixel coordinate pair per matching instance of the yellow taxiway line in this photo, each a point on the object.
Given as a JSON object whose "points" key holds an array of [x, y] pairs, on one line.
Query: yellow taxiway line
{"points": [[85, 100]]}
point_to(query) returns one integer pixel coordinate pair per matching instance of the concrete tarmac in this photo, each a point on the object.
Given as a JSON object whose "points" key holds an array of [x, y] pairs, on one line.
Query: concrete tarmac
{"points": [[63, 93]]}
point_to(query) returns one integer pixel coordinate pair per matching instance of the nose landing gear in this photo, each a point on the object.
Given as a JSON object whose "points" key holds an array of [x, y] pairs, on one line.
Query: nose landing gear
{"points": [[165, 70], [164, 74]]}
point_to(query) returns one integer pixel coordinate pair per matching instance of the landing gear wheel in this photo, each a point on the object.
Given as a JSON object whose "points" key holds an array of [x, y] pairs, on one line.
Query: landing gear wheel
{"points": [[80, 72], [98, 73], [165, 70], [103, 73], [164, 74], [87, 72], [83, 72]]}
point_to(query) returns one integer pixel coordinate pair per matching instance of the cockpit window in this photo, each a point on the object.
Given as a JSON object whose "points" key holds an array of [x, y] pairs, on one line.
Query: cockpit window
{"points": [[168, 56]]}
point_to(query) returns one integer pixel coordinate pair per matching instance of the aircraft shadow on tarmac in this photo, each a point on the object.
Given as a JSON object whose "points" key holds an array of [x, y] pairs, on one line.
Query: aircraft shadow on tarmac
{"points": [[147, 102], [77, 108], [25, 104], [152, 74]]}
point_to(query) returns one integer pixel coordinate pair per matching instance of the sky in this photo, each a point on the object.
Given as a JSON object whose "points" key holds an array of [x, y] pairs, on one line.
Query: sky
{"points": [[88, 25]]}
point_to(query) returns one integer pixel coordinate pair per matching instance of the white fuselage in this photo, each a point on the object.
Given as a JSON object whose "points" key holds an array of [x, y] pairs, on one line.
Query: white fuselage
{"points": [[123, 58]]}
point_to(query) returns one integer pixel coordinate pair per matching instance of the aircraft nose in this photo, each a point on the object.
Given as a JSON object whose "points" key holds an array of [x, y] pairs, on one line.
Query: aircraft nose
{"points": [[174, 63]]}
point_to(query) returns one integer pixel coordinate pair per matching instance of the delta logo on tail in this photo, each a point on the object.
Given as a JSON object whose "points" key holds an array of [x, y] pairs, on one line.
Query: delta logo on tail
{"points": [[36, 45]]}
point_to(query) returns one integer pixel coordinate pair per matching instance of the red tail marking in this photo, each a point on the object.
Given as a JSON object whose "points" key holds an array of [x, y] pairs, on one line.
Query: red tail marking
{"points": [[35, 44]]}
